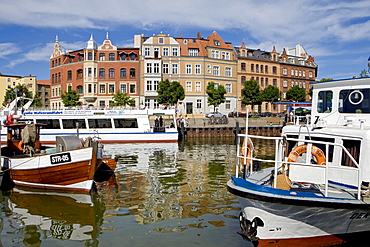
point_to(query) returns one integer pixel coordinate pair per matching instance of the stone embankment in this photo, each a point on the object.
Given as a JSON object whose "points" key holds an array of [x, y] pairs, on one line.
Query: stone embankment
{"points": [[256, 126]]}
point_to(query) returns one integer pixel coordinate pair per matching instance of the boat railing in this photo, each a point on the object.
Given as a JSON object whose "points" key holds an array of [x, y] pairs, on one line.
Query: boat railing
{"points": [[321, 171]]}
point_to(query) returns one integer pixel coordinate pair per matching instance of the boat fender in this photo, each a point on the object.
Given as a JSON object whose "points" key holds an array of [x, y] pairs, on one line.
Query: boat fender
{"points": [[100, 151], [247, 142], [315, 151], [20, 145]]}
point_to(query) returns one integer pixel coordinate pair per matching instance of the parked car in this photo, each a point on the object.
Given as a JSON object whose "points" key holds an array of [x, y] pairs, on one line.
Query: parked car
{"points": [[215, 115], [267, 114], [237, 114]]}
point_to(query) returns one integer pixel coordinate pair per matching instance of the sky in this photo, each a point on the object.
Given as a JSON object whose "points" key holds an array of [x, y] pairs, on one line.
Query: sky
{"points": [[335, 33]]}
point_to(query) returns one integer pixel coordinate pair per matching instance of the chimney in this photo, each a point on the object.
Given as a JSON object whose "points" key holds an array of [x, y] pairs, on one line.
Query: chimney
{"points": [[199, 35]]}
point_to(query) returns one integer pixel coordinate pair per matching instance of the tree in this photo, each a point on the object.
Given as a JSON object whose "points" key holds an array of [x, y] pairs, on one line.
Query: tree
{"points": [[251, 93], [122, 99], [216, 95], [70, 98], [296, 94], [170, 92], [36, 100], [270, 94], [364, 73], [17, 91]]}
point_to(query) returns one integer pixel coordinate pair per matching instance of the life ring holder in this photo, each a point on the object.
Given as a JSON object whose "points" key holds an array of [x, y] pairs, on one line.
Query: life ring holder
{"points": [[301, 149], [361, 97]]}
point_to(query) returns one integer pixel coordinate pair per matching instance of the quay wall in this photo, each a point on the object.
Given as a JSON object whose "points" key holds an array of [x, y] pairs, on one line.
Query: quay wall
{"points": [[256, 126]]}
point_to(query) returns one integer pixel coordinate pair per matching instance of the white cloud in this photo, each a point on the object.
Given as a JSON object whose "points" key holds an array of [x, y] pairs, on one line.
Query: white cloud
{"points": [[7, 49]]}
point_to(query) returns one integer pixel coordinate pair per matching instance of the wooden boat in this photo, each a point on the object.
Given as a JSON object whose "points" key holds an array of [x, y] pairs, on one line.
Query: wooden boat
{"points": [[70, 166], [114, 125], [319, 178]]}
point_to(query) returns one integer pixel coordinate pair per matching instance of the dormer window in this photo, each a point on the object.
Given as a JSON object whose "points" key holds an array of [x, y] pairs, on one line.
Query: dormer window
{"points": [[160, 40], [185, 41]]}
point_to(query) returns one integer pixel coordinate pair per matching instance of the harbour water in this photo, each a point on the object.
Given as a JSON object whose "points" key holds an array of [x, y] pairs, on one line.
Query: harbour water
{"points": [[162, 194]]}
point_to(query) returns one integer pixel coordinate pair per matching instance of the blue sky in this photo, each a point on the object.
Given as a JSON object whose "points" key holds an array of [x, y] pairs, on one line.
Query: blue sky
{"points": [[336, 34]]}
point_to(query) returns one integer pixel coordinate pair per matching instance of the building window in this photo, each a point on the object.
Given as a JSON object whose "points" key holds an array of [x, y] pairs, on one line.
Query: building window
{"points": [[228, 72], [149, 86], [274, 70], [199, 103], [155, 85], [292, 72], [228, 87], [174, 51], [123, 56], [102, 103], [188, 86], [147, 103], [147, 51], [101, 73], [160, 40], [198, 86], [79, 89], [216, 70], [266, 69], [285, 83], [197, 69], [132, 56], [193, 52], [123, 88], [89, 88], [69, 76], [102, 88], [89, 72], [285, 71], [266, 82], [188, 69], [274, 82], [216, 42], [156, 52], [156, 68], [111, 56], [242, 66], [149, 68], [175, 68], [257, 68], [89, 56], [165, 51], [310, 74], [252, 67], [228, 105], [111, 73], [102, 57], [132, 88], [165, 68], [243, 79], [111, 88], [123, 73], [132, 73]]}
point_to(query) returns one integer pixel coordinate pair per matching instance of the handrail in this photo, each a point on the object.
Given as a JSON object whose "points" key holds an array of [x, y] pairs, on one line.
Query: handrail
{"points": [[279, 157]]}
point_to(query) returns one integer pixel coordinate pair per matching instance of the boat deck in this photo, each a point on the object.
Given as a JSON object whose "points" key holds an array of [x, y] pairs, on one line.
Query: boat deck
{"points": [[264, 177]]}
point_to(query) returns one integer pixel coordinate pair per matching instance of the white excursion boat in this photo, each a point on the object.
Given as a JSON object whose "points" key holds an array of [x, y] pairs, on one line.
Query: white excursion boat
{"points": [[109, 125], [317, 187]]}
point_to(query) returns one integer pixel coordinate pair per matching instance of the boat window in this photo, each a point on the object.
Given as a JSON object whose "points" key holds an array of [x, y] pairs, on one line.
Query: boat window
{"points": [[125, 123], [354, 101], [323, 146], [324, 101], [353, 147], [99, 123], [72, 123], [50, 123]]}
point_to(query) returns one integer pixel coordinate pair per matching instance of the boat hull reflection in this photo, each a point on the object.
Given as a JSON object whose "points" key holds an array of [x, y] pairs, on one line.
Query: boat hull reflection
{"points": [[64, 216], [275, 224]]}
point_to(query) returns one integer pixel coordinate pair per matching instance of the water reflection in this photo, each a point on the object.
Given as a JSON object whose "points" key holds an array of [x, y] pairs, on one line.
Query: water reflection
{"points": [[32, 216]]}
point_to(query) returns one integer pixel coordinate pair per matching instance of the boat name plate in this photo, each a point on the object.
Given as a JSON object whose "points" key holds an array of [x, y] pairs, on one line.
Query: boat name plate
{"points": [[60, 158]]}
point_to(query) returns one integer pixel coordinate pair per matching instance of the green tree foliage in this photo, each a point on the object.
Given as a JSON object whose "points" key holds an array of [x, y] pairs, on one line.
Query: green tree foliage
{"points": [[17, 91], [296, 94], [170, 92], [70, 98], [36, 100], [364, 73], [122, 99], [270, 94], [216, 96], [251, 93]]}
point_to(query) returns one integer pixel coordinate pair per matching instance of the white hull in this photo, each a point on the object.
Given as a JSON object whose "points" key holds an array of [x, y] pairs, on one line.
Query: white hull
{"points": [[282, 221]]}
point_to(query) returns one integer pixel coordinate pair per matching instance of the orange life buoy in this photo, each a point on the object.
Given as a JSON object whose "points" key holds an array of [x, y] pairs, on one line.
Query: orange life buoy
{"points": [[20, 145], [315, 151], [248, 153]]}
